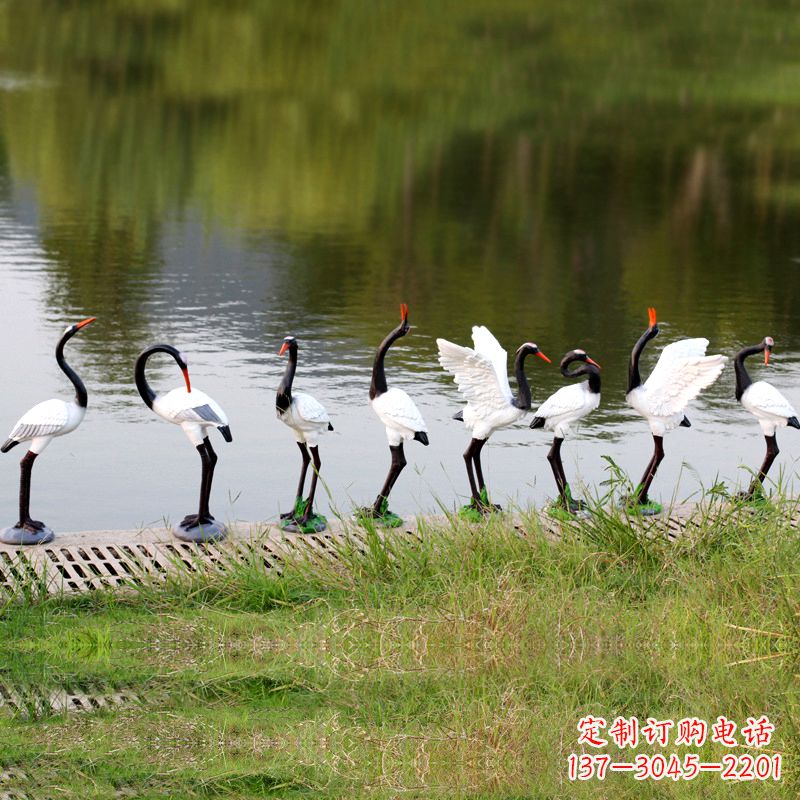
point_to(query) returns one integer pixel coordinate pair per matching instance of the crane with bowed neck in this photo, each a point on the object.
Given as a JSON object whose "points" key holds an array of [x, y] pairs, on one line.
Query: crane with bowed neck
{"points": [[401, 420], [195, 413], [560, 412], [683, 370], [481, 377], [766, 404], [39, 426], [307, 418]]}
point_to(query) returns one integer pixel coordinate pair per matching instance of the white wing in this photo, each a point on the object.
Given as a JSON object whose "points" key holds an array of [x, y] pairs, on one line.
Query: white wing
{"points": [[487, 345], [195, 406], [309, 408], [765, 397], [476, 378], [682, 372], [395, 407], [567, 400], [44, 419]]}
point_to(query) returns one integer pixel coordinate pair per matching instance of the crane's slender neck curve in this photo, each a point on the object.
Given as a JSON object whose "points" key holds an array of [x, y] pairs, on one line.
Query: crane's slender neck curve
{"points": [[284, 397], [145, 390], [743, 380], [378, 385], [585, 369], [634, 378], [523, 398], [81, 395]]}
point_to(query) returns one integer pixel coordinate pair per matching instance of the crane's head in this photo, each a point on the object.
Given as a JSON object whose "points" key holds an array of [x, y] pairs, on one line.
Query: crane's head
{"points": [[183, 363], [531, 349], [579, 355], [768, 344], [71, 330], [288, 342], [404, 327]]}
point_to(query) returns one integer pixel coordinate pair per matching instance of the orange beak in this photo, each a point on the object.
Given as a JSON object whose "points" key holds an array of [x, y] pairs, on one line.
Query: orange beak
{"points": [[543, 357], [766, 355], [592, 361], [185, 372], [651, 312], [85, 322], [284, 348], [404, 312]]}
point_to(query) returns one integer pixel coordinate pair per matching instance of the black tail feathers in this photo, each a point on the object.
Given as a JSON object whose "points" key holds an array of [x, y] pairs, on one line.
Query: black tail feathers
{"points": [[9, 443], [459, 416], [330, 427], [421, 436], [685, 423], [538, 422], [791, 422], [226, 433]]}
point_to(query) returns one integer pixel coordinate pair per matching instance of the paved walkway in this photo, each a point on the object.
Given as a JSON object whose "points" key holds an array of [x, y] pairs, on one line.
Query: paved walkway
{"points": [[87, 560]]}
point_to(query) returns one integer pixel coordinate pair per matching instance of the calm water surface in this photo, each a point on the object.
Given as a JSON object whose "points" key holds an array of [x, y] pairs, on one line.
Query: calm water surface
{"points": [[220, 174]]}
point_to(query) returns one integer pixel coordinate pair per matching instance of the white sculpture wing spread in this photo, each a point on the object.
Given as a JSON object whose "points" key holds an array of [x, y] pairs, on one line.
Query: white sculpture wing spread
{"points": [[395, 408], [44, 419], [476, 377], [765, 397], [309, 408], [487, 345], [682, 372], [567, 400]]}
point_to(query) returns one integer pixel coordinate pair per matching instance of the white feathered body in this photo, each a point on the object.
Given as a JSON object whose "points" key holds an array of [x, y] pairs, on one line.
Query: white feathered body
{"points": [[401, 418], [194, 411], [566, 407], [46, 420], [307, 418], [482, 378], [768, 406], [682, 372]]}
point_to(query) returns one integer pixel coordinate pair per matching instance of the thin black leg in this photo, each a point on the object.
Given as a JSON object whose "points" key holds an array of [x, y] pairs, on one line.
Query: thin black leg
{"points": [[202, 516], [554, 457], [771, 455], [303, 469], [309, 512], [476, 457], [212, 463], [468, 455], [398, 462], [25, 469], [652, 468]]}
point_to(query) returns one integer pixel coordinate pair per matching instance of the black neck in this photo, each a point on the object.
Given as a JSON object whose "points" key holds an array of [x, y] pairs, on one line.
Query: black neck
{"points": [[634, 379], [585, 369], [284, 397], [743, 380], [145, 390], [81, 396], [523, 398], [378, 385]]}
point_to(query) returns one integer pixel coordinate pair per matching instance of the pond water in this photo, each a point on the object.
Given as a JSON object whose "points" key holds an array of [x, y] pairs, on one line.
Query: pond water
{"points": [[217, 175]]}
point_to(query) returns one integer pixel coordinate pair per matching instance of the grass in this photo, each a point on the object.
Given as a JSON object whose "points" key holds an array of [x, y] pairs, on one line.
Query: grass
{"points": [[454, 666]]}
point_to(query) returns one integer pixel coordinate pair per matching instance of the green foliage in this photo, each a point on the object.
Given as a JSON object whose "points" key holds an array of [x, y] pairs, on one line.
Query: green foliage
{"points": [[452, 663]]}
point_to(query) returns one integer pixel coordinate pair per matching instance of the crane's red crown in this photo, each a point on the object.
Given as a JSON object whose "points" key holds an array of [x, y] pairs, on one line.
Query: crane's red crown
{"points": [[651, 312], [404, 311]]}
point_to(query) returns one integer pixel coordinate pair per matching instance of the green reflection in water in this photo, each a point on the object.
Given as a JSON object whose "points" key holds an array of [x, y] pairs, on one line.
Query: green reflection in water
{"points": [[529, 165]]}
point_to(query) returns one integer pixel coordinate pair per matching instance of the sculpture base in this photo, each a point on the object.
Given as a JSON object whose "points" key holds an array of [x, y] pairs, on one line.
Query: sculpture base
{"points": [[558, 511], [387, 519], [315, 524], [208, 532], [648, 509], [15, 535]]}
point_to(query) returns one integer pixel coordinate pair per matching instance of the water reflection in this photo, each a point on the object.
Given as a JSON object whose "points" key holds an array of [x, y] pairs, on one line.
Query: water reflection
{"points": [[218, 174]]}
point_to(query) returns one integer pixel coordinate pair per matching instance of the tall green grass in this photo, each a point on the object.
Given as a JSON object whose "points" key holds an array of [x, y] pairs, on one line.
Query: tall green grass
{"points": [[452, 663]]}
